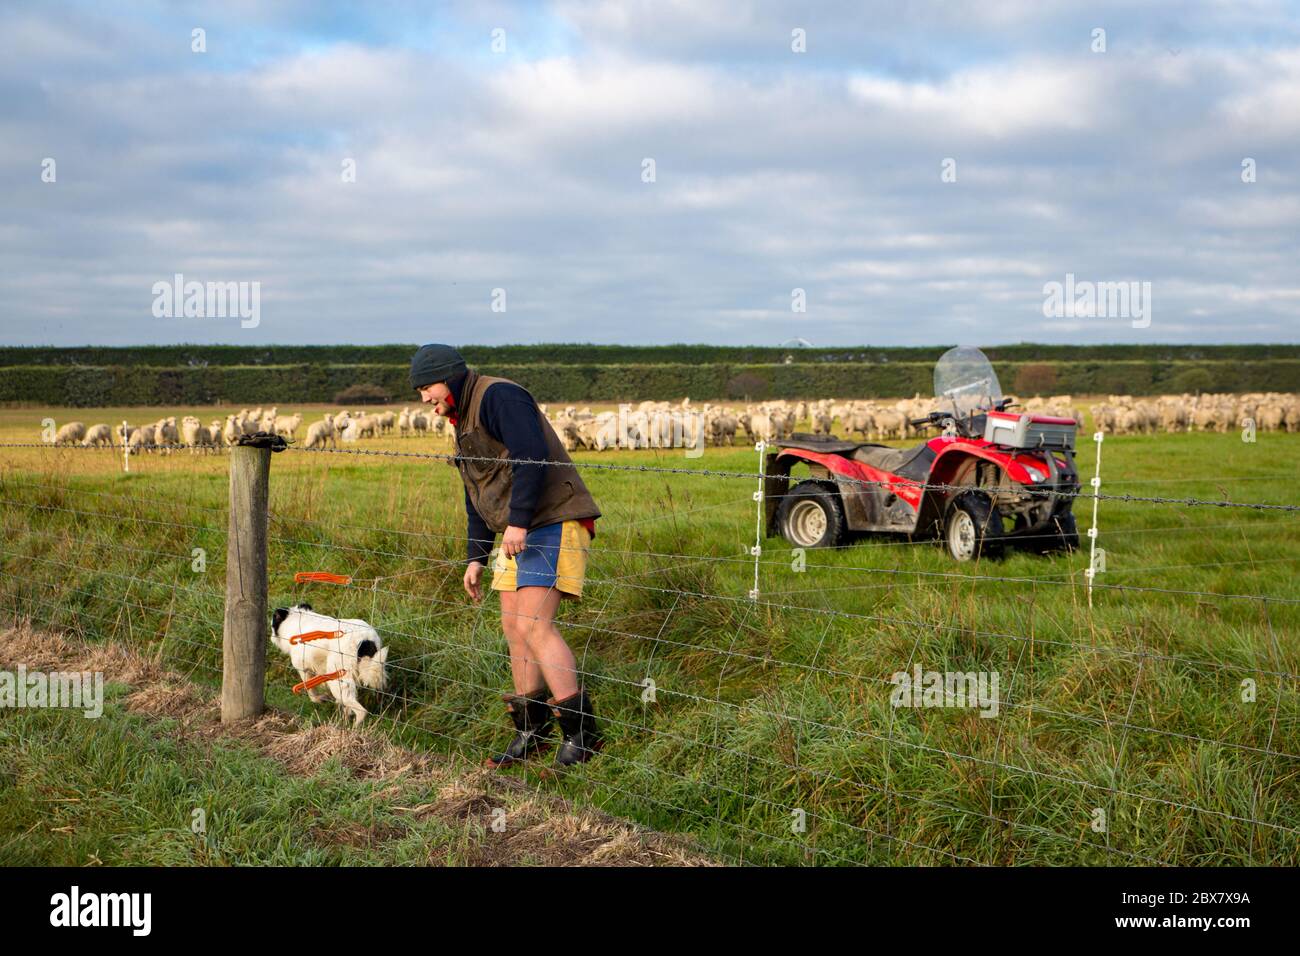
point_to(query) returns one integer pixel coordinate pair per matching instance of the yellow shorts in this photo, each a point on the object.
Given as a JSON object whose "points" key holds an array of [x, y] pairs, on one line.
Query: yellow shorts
{"points": [[554, 555]]}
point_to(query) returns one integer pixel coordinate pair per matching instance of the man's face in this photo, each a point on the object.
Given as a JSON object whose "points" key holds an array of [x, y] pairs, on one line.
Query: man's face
{"points": [[436, 395]]}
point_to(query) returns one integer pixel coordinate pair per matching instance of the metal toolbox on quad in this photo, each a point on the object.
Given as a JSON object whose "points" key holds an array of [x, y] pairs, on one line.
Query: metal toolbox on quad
{"points": [[1029, 431]]}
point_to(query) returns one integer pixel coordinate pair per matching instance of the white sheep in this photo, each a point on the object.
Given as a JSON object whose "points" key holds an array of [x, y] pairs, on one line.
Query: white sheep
{"points": [[70, 433], [97, 436], [286, 425], [142, 439], [167, 434], [341, 421], [318, 433], [368, 426], [190, 433], [233, 431]]}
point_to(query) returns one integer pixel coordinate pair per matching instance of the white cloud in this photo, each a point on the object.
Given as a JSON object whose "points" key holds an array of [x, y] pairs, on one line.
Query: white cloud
{"points": [[774, 172], [1033, 97]]}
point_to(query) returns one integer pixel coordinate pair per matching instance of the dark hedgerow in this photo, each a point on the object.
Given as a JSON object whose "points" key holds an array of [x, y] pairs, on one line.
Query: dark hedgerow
{"points": [[1036, 378], [748, 386], [129, 384], [364, 394]]}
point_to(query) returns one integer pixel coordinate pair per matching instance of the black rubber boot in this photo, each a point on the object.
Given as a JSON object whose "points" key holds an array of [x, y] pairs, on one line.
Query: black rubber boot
{"points": [[578, 726], [532, 719]]}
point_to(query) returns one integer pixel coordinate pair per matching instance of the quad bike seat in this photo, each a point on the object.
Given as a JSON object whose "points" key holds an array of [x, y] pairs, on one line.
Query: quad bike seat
{"points": [[824, 444], [911, 463]]}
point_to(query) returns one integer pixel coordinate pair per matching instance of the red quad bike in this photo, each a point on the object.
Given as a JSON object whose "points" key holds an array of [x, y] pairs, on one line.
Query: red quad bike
{"points": [[1004, 479]]}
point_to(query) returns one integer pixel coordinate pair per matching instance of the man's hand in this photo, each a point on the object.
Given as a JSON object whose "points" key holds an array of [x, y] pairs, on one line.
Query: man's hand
{"points": [[512, 542], [473, 579]]}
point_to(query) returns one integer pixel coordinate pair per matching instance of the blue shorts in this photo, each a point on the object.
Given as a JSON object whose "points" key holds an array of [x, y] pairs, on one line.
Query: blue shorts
{"points": [[554, 555]]}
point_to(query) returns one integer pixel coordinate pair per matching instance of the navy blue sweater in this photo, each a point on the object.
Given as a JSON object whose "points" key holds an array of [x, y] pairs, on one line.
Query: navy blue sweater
{"points": [[508, 413]]}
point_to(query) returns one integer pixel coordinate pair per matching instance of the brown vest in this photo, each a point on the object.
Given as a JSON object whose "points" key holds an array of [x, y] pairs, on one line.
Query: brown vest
{"points": [[563, 497]]}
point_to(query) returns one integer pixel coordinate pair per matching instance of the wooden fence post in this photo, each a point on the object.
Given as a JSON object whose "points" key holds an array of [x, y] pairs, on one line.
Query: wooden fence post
{"points": [[243, 669]]}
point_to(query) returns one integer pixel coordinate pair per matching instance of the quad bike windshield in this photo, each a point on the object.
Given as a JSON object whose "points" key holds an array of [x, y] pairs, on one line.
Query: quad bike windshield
{"points": [[965, 383]]}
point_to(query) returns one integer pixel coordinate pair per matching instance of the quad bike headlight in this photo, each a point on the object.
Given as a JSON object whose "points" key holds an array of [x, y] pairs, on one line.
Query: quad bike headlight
{"points": [[1035, 474]]}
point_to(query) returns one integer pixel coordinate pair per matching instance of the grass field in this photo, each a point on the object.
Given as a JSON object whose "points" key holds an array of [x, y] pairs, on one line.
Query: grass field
{"points": [[1132, 710], [157, 779]]}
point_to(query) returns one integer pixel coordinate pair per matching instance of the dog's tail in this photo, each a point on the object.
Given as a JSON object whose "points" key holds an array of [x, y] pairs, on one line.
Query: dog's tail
{"points": [[370, 665]]}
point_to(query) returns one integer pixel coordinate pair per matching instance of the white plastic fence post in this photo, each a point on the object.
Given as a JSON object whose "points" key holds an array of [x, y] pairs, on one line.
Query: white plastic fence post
{"points": [[126, 449], [1091, 573], [757, 549]]}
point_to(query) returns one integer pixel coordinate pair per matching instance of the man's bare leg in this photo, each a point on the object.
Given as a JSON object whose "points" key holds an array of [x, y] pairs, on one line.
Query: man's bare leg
{"points": [[536, 607], [516, 624]]}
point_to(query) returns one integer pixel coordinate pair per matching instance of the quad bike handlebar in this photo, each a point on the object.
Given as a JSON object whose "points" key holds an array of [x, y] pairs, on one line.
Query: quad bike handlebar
{"points": [[938, 418]]}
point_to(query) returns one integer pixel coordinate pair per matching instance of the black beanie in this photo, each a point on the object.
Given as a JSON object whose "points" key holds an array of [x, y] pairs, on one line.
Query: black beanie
{"points": [[435, 363]]}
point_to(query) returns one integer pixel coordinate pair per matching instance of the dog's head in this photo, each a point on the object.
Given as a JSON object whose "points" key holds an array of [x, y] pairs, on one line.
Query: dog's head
{"points": [[283, 612]]}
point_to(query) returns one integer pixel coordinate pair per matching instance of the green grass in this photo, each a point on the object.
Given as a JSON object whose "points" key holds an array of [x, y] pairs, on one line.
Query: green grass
{"points": [[764, 710], [123, 790]]}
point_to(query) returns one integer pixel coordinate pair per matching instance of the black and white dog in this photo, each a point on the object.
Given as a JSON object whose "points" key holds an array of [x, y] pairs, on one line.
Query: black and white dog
{"points": [[359, 653]]}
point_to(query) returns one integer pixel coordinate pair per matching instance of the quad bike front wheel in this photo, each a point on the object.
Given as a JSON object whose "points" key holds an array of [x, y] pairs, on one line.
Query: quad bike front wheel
{"points": [[972, 527], [1066, 536], [811, 515]]}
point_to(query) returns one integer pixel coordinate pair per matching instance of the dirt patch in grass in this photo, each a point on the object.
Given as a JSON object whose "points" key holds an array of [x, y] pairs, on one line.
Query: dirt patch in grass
{"points": [[509, 822], [354, 834]]}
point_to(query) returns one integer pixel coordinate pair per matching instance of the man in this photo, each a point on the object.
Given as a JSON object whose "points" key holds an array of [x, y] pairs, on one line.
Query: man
{"points": [[546, 517]]}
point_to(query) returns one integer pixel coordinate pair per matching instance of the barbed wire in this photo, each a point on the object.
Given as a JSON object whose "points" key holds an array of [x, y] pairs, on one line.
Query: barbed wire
{"points": [[624, 525], [452, 458], [918, 572], [750, 476], [723, 558]]}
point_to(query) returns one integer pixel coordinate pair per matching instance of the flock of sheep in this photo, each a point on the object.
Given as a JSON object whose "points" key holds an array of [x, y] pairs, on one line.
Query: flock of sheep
{"points": [[1262, 411], [165, 434], [663, 424], [349, 427], [683, 425], [667, 425]]}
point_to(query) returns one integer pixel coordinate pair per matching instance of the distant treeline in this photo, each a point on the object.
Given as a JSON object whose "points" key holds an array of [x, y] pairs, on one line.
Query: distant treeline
{"points": [[318, 382], [190, 356]]}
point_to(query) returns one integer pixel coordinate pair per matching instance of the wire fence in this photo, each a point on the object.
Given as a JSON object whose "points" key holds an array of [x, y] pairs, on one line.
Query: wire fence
{"points": [[921, 486], [765, 730]]}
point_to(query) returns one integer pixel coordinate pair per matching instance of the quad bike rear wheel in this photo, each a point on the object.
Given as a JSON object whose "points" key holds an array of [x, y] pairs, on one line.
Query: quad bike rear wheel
{"points": [[811, 515], [972, 527]]}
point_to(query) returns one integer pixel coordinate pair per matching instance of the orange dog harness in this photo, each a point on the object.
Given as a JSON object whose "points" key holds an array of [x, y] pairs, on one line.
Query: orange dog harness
{"points": [[319, 679], [313, 636], [324, 576]]}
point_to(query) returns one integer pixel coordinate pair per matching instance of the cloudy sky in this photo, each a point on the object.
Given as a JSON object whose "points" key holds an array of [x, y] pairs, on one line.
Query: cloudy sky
{"points": [[505, 147]]}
